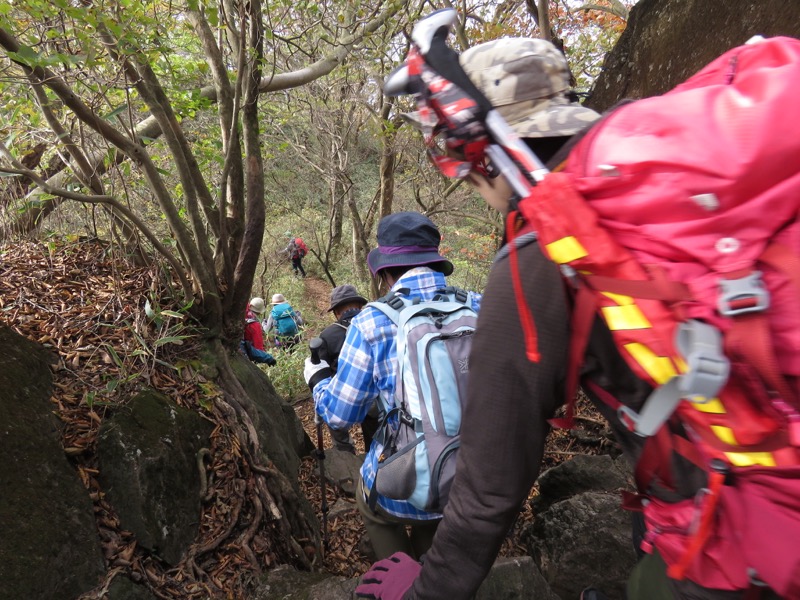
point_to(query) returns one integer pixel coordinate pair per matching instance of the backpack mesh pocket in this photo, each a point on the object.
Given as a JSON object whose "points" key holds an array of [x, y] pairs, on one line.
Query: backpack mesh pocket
{"points": [[397, 476]]}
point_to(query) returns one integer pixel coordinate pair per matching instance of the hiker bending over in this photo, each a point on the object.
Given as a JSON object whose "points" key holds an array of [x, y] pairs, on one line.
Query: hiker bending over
{"points": [[345, 304], [407, 257], [514, 391], [284, 323], [253, 343]]}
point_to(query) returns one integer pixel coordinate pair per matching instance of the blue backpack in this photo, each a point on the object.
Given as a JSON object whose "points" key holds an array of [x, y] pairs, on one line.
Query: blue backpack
{"points": [[283, 316], [421, 433]]}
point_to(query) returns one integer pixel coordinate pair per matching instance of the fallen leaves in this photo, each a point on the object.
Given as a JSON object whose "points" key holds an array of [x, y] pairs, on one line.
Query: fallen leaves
{"points": [[89, 311]]}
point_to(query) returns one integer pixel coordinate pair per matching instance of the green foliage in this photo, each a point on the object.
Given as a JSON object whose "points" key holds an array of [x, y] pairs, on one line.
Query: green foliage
{"points": [[471, 248], [287, 375]]}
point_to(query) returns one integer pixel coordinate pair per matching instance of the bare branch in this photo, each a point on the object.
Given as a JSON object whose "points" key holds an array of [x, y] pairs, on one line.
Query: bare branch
{"points": [[18, 169]]}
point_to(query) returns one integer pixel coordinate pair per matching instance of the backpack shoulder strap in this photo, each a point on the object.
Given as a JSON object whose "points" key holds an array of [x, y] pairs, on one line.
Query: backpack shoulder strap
{"points": [[392, 304]]}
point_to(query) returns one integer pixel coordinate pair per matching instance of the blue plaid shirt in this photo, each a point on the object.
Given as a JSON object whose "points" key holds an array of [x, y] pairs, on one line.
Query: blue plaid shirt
{"points": [[367, 370]]}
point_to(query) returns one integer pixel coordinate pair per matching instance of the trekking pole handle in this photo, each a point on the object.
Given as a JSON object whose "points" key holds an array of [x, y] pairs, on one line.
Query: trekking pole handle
{"points": [[425, 29], [509, 154], [314, 345]]}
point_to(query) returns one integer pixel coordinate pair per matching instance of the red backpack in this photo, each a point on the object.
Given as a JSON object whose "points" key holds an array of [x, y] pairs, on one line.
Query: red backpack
{"points": [[302, 249], [677, 220]]}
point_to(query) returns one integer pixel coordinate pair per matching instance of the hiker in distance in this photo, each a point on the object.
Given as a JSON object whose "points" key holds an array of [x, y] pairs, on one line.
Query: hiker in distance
{"points": [[407, 258], [296, 249], [253, 343], [284, 323], [523, 339], [345, 304]]}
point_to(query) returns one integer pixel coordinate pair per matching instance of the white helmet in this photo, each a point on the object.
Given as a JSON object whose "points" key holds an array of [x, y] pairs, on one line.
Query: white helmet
{"points": [[257, 305]]}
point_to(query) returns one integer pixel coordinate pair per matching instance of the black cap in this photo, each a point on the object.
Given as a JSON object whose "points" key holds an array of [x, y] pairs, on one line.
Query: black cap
{"points": [[408, 239]]}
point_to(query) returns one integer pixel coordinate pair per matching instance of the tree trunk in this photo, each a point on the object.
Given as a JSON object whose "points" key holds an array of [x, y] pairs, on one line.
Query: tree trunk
{"points": [[666, 41]]}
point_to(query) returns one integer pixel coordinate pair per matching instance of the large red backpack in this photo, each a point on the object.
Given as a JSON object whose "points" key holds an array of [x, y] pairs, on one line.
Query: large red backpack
{"points": [[302, 249], [677, 220]]}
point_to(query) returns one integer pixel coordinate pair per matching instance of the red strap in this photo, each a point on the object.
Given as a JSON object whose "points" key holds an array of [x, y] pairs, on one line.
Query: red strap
{"points": [[655, 461], [656, 289], [688, 450], [782, 259], [523, 309], [605, 397], [583, 316], [678, 570], [632, 502], [750, 338]]}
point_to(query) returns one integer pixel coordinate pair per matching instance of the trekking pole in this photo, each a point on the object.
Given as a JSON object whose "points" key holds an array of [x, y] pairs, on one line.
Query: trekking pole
{"points": [[507, 152], [314, 345]]}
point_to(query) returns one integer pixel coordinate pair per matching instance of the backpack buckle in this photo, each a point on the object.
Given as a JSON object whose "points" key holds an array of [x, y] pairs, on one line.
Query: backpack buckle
{"points": [[628, 417], [445, 293], [743, 295], [700, 344], [460, 296], [397, 299]]}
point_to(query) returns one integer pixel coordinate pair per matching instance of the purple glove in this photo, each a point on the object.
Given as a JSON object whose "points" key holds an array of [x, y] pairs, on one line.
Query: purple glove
{"points": [[390, 578]]}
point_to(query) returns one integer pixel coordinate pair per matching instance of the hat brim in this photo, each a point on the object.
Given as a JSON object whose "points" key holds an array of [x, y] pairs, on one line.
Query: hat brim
{"points": [[377, 261], [348, 300], [549, 118]]}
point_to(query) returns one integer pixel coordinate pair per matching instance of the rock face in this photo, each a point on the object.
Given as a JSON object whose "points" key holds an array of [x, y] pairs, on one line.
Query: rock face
{"points": [[147, 456], [49, 547], [666, 41], [581, 474], [280, 432], [582, 538], [149, 471]]}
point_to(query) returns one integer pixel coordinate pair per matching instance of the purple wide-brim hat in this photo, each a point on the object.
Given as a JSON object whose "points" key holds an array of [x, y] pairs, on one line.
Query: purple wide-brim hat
{"points": [[408, 239]]}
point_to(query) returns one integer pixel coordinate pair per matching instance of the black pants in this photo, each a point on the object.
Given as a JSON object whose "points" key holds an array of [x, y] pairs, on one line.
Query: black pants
{"points": [[297, 265]]}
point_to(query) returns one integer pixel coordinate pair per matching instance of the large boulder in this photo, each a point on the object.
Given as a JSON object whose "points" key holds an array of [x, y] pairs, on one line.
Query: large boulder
{"points": [[582, 473], [515, 579], [581, 537], [584, 541], [666, 41], [49, 546], [148, 455], [280, 432]]}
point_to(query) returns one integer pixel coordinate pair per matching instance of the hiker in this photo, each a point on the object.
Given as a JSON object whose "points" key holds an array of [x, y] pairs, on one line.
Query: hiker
{"points": [[297, 250], [407, 258], [345, 304], [503, 440], [284, 323], [252, 345]]}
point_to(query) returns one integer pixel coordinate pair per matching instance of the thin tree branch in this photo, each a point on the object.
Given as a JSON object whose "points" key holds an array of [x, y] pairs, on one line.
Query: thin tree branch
{"points": [[18, 169]]}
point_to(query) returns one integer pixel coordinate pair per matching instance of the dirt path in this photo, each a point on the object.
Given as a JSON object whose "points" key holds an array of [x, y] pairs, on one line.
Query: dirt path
{"points": [[320, 292]]}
